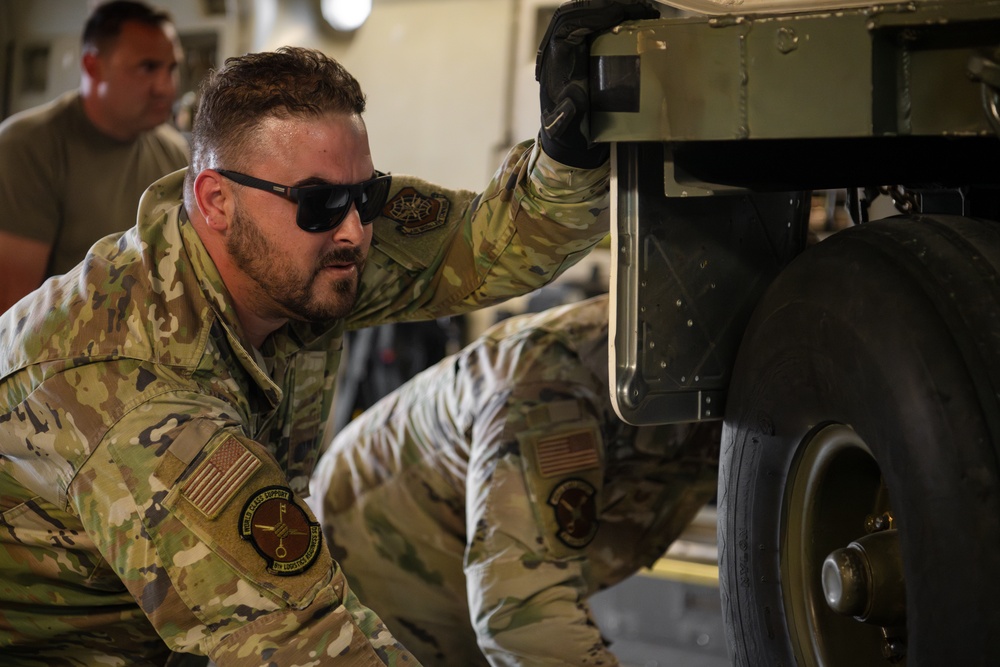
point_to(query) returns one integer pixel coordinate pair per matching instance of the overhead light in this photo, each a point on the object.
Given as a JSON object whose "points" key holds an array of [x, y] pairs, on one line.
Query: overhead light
{"points": [[346, 15]]}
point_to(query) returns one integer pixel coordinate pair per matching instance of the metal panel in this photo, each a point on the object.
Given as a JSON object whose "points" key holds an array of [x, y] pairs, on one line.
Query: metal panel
{"points": [[687, 272], [884, 71]]}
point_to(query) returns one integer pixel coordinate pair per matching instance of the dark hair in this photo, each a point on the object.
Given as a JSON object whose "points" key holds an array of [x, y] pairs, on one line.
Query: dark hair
{"points": [[286, 83], [105, 22]]}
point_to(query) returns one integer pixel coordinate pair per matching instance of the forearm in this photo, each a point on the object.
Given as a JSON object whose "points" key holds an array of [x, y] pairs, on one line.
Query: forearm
{"points": [[535, 219], [327, 630], [519, 608], [556, 215], [520, 594]]}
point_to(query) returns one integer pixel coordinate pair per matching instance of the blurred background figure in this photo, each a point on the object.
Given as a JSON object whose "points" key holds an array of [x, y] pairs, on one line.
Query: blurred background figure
{"points": [[480, 505], [72, 170]]}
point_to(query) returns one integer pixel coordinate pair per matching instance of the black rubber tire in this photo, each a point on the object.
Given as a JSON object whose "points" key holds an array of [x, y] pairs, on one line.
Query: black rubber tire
{"points": [[892, 328]]}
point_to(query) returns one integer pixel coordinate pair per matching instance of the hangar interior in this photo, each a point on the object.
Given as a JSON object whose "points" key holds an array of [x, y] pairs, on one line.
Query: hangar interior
{"points": [[856, 364]]}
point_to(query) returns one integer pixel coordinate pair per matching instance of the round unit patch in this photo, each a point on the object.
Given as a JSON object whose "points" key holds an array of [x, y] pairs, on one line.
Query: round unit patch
{"points": [[280, 531], [576, 512], [416, 213]]}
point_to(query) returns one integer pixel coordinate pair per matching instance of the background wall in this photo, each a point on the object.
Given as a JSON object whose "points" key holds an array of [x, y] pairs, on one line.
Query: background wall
{"points": [[436, 73], [450, 83]]}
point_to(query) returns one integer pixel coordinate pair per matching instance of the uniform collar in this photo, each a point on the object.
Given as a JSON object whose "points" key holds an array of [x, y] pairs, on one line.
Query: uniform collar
{"points": [[278, 347], [197, 274]]}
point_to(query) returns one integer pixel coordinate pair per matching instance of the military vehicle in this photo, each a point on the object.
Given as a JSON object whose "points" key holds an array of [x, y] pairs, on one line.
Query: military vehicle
{"points": [[858, 375]]}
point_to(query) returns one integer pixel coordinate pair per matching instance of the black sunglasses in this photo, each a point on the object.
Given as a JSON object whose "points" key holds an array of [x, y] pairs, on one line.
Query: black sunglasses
{"points": [[323, 207]]}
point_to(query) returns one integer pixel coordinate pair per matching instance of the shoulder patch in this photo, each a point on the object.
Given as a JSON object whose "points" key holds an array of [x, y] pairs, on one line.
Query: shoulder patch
{"points": [[220, 476], [576, 512], [416, 213], [280, 531]]}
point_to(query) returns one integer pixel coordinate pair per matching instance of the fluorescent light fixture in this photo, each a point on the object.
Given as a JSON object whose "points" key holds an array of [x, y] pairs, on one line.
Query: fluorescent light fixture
{"points": [[346, 15]]}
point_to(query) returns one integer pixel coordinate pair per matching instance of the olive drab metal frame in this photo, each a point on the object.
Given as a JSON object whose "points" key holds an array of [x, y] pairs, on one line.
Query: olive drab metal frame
{"points": [[723, 125]]}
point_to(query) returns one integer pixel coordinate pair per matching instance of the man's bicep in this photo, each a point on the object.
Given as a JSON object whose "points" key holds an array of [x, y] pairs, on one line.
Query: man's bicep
{"points": [[22, 267]]}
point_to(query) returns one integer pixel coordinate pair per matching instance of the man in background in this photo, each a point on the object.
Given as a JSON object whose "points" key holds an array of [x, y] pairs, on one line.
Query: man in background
{"points": [[477, 507], [72, 170]]}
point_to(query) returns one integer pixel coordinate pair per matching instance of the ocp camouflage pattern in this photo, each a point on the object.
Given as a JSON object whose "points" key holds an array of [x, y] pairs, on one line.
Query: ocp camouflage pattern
{"points": [[137, 425], [478, 506]]}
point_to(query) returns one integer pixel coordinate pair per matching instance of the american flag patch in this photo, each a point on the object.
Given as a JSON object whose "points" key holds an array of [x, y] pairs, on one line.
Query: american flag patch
{"points": [[219, 477], [567, 452]]}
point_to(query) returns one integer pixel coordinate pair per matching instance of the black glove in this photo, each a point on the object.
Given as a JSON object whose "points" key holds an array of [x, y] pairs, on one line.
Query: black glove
{"points": [[562, 70]]}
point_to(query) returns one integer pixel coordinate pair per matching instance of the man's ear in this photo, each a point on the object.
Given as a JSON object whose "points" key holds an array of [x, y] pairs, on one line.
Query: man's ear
{"points": [[90, 61], [214, 199]]}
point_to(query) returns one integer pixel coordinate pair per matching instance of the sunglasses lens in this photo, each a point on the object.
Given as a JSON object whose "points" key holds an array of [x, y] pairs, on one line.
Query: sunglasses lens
{"points": [[322, 208], [373, 197]]}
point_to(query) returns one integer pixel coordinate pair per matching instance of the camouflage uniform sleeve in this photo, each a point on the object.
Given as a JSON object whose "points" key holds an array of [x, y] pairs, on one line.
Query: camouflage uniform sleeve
{"points": [[527, 576], [222, 558], [438, 252]]}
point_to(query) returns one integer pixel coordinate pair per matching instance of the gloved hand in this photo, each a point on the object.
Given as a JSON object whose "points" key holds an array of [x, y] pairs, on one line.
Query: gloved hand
{"points": [[562, 70]]}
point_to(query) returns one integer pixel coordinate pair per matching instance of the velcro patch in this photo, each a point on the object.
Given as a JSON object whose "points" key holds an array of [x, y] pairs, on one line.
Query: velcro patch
{"points": [[416, 213], [220, 476], [576, 512], [566, 452], [280, 531]]}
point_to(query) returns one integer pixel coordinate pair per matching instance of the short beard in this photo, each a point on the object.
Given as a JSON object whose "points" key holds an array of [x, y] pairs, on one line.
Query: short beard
{"points": [[279, 282]]}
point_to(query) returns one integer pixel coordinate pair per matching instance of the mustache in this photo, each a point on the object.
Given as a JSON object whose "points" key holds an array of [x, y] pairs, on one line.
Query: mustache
{"points": [[352, 255]]}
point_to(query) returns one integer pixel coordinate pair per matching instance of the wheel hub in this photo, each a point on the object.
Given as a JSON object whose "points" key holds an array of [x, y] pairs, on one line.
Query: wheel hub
{"points": [[841, 557], [865, 579]]}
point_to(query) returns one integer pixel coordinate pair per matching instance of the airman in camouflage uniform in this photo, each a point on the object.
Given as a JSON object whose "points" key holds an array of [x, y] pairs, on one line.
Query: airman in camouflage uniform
{"points": [[161, 405], [479, 505]]}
